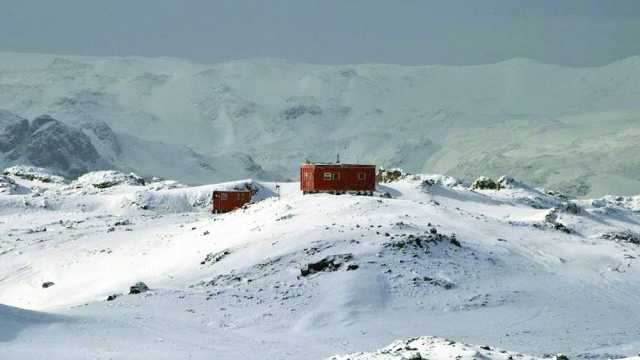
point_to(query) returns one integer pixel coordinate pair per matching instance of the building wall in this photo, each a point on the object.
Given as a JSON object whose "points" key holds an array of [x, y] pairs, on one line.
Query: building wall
{"points": [[337, 177], [224, 201]]}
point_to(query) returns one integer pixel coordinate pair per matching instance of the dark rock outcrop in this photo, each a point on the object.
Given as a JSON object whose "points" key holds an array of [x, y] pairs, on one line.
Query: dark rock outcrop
{"points": [[625, 236], [138, 288], [13, 130], [327, 264], [485, 183], [48, 143], [53, 144]]}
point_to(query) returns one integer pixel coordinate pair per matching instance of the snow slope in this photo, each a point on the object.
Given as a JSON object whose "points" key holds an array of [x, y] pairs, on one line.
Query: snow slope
{"points": [[570, 129], [296, 276]]}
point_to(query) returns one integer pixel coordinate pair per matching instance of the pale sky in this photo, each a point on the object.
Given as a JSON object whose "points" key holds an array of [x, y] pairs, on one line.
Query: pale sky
{"points": [[412, 32]]}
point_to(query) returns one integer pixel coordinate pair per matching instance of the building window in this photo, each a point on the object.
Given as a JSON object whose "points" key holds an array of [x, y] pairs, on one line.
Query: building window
{"points": [[328, 176], [223, 196], [362, 176]]}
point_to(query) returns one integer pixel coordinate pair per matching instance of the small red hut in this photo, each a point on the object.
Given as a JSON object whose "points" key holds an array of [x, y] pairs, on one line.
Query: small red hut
{"points": [[227, 200], [338, 178]]}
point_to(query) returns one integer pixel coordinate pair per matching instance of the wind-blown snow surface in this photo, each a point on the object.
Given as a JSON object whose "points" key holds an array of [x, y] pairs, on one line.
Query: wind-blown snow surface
{"points": [[571, 129], [525, 271]]}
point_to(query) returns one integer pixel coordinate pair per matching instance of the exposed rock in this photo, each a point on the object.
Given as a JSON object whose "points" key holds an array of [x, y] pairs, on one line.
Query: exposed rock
{"points": [[626, 236], [551, 220], [108, 178], [124, 222], [435, 282], [507, 182], [213, 258], [434, 348], [55, 145], [422, 241], [571, 208], [138, 288], [47, 284], [551, 216], [391, 175], [440, 180], [13, 130], [37, 229], [352, 267], [327, 264], [33, 173], [485, 183]]}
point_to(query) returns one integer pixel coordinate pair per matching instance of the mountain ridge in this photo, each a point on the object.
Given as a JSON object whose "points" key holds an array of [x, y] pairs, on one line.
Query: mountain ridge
{"points": [[280, 113]]}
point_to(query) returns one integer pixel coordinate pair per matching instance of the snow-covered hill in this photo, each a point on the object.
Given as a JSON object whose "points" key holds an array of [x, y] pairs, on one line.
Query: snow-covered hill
{"points": [[311, 276], [437, 349], [571, 129]]}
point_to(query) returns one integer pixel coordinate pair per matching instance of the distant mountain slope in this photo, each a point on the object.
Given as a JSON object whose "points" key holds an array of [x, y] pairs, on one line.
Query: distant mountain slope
{"points": [[49, 143], [73, 150], [555, 126]]}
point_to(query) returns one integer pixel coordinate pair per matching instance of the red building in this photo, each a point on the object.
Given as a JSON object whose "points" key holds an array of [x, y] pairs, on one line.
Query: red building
{"points": [[338, 178], [227, 200]]}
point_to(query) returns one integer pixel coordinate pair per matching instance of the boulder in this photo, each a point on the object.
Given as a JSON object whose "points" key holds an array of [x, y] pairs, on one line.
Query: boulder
{"points": [[327, 264], [138, 288], [485, 183], [391, 175]]}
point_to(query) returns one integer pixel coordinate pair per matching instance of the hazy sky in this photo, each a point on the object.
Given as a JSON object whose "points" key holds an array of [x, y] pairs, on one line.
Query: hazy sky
{"points": [[571, 32]]}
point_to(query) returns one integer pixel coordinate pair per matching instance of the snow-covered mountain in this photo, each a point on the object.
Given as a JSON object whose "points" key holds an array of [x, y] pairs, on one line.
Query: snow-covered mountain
{"points": [[72, 150], [570, 129], [310, 276]]}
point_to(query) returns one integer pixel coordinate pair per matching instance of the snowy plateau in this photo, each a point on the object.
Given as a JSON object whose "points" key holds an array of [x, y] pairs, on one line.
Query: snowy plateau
{"points": [[572, 130], [113, 266]]}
